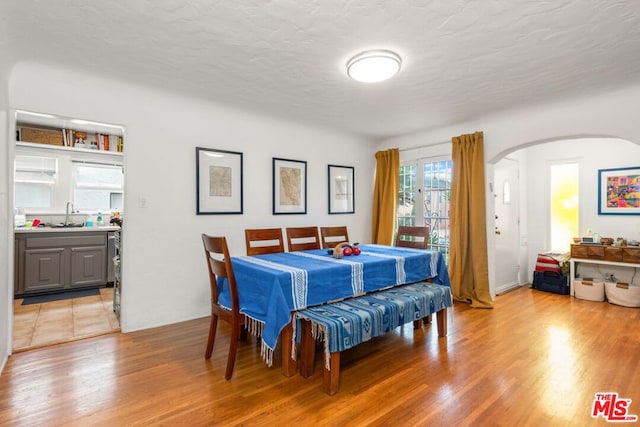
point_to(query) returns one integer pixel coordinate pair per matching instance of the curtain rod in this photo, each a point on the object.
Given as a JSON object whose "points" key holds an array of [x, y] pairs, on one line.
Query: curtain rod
{"points": [[415, 147]]}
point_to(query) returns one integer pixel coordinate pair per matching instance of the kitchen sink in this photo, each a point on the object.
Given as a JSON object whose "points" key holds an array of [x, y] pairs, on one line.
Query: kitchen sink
{"points": [[61, 225]]}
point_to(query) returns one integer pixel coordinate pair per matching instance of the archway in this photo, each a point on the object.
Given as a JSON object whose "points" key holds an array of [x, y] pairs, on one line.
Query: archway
{"points": [[592, 152]]}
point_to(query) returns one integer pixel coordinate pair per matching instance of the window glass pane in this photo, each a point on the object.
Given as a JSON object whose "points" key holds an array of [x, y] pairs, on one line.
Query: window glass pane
{"points": [[563, 205], [407, 195], [98, 176], [437, 200], [97, 187], [94, 200], [44, 165], [30, 195], [35, 178]]}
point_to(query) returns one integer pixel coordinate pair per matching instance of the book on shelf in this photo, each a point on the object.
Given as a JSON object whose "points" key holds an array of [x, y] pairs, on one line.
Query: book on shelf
{"points": [[113, 143]]}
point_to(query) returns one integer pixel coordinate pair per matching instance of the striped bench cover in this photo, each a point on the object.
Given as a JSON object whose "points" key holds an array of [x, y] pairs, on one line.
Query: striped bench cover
{"points": [[347, 323]]}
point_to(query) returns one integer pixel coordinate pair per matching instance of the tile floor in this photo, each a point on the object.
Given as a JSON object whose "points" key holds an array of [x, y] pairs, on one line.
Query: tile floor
{"points": [[39, 325]]}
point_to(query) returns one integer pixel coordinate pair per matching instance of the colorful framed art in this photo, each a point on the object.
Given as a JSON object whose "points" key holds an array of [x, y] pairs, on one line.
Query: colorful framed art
{"points": [[619, 191]]}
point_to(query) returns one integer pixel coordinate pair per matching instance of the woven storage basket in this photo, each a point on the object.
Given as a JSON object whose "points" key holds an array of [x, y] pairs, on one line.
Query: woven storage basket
{"points": [[589, 289], [623, 294], [41, 136]]}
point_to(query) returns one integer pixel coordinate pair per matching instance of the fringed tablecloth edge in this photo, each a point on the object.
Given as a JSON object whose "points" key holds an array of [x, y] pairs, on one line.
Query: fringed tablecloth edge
{"points": [[256, 328]]}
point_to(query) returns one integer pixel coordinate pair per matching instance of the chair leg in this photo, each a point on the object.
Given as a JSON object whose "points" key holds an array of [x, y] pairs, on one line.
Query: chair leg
{"points": [[212, 336], [233, 349], [244, 333]]}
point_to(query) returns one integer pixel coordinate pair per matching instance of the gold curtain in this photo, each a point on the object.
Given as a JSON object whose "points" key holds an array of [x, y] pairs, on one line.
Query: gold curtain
{"points": [[468, 265], [385, 196]]}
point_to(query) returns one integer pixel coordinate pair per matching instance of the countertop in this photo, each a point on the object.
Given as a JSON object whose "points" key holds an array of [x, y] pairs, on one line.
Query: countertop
{"points": [[33, 230]]}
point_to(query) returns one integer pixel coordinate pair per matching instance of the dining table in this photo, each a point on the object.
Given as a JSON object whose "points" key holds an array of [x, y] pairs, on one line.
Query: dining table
{"points": [[271, 287]]}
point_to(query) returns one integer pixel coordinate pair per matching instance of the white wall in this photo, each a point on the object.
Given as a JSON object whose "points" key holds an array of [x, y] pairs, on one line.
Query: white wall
{"points": [[164, 275], [608, 114]]}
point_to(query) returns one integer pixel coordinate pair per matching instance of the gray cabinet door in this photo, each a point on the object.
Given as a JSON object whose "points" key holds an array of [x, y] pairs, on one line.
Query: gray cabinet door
{"points": [[88, 266], [44, 269]]}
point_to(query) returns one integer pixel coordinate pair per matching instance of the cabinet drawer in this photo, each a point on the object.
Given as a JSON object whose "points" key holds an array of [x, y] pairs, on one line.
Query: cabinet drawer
{"points": [[595, 252], [63, 241], [579, 251], [631, 255], [613, 254]]}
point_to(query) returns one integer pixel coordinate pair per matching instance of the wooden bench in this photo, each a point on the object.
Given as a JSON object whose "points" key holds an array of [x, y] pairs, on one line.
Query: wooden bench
{"points": [[345, 324]]}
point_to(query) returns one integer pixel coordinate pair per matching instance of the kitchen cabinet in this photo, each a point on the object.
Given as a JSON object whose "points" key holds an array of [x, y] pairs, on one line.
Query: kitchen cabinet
{"points": [[48, 262]]}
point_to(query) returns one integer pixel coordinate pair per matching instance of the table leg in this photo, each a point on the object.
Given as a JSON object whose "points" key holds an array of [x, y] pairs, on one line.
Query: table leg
{"points": [[289, 365], [307, 350]]}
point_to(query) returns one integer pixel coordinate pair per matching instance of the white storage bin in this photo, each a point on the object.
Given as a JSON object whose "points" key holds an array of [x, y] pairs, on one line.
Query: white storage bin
{"points": [[623, 294], [589, 289]]}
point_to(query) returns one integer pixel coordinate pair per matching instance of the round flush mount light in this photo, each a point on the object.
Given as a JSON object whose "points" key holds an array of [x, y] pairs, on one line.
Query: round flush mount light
{"points": [[374, 66]]}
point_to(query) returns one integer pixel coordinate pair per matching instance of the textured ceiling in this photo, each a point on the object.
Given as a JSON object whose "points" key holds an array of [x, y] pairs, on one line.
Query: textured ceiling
{"points": [[286, 57]]}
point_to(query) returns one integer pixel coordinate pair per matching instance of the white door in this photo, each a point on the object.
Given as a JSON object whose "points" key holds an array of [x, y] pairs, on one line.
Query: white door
{"points": [[507, 232]]}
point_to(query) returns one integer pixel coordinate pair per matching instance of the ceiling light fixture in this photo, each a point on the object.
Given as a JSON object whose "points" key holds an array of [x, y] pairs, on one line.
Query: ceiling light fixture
{"points": [[374, 66]]}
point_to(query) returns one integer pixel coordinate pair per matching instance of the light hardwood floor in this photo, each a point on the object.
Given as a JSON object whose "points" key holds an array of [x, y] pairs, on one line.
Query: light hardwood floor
{"points": [[38, 325], [536, 359]]}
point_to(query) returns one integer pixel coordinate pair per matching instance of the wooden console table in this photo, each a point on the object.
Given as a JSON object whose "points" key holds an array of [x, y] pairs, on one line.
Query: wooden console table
{"points": [[624, 256]]}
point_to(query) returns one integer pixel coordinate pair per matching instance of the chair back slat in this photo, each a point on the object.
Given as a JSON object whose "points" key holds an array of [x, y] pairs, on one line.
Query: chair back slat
{"points": [[413, 236], [331, 236], [264, 241], [302, 238]]}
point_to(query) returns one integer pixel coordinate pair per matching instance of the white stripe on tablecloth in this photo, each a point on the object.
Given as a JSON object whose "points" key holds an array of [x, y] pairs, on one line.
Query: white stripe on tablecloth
{"points": [[357, 274], [299, 279], [401, 276], [433, 262]]}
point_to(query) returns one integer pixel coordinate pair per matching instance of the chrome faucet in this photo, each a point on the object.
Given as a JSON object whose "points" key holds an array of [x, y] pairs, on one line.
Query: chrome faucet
{"points": [[66, 217]]}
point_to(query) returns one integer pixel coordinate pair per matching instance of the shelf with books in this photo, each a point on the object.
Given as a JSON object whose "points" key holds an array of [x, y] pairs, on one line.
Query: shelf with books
{"points": [[52, 137]]}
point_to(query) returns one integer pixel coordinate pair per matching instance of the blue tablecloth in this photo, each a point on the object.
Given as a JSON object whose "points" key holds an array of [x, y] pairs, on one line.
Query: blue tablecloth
{"points": [[271, 286]]}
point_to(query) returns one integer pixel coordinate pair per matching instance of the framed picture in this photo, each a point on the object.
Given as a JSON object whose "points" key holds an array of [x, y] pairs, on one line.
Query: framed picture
{"points": [[289, 186], [619, 191], [218, 182], [341, 189]]}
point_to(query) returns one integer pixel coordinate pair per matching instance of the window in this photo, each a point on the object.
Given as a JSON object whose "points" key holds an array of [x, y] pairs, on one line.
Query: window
{"points": [[428, 203], [35, 180], [437, 202], [97, 186], [407, 195], [564, 206]]}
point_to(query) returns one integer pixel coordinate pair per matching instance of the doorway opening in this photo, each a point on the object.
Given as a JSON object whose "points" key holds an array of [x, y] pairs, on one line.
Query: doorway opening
{"points": [[67, 177]]}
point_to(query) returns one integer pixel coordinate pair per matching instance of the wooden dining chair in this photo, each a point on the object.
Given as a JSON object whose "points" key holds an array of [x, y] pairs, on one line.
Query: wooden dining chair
{"points": [[263, 241], [331, 236], [413, 236], [302, 238], [219, 267]]}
